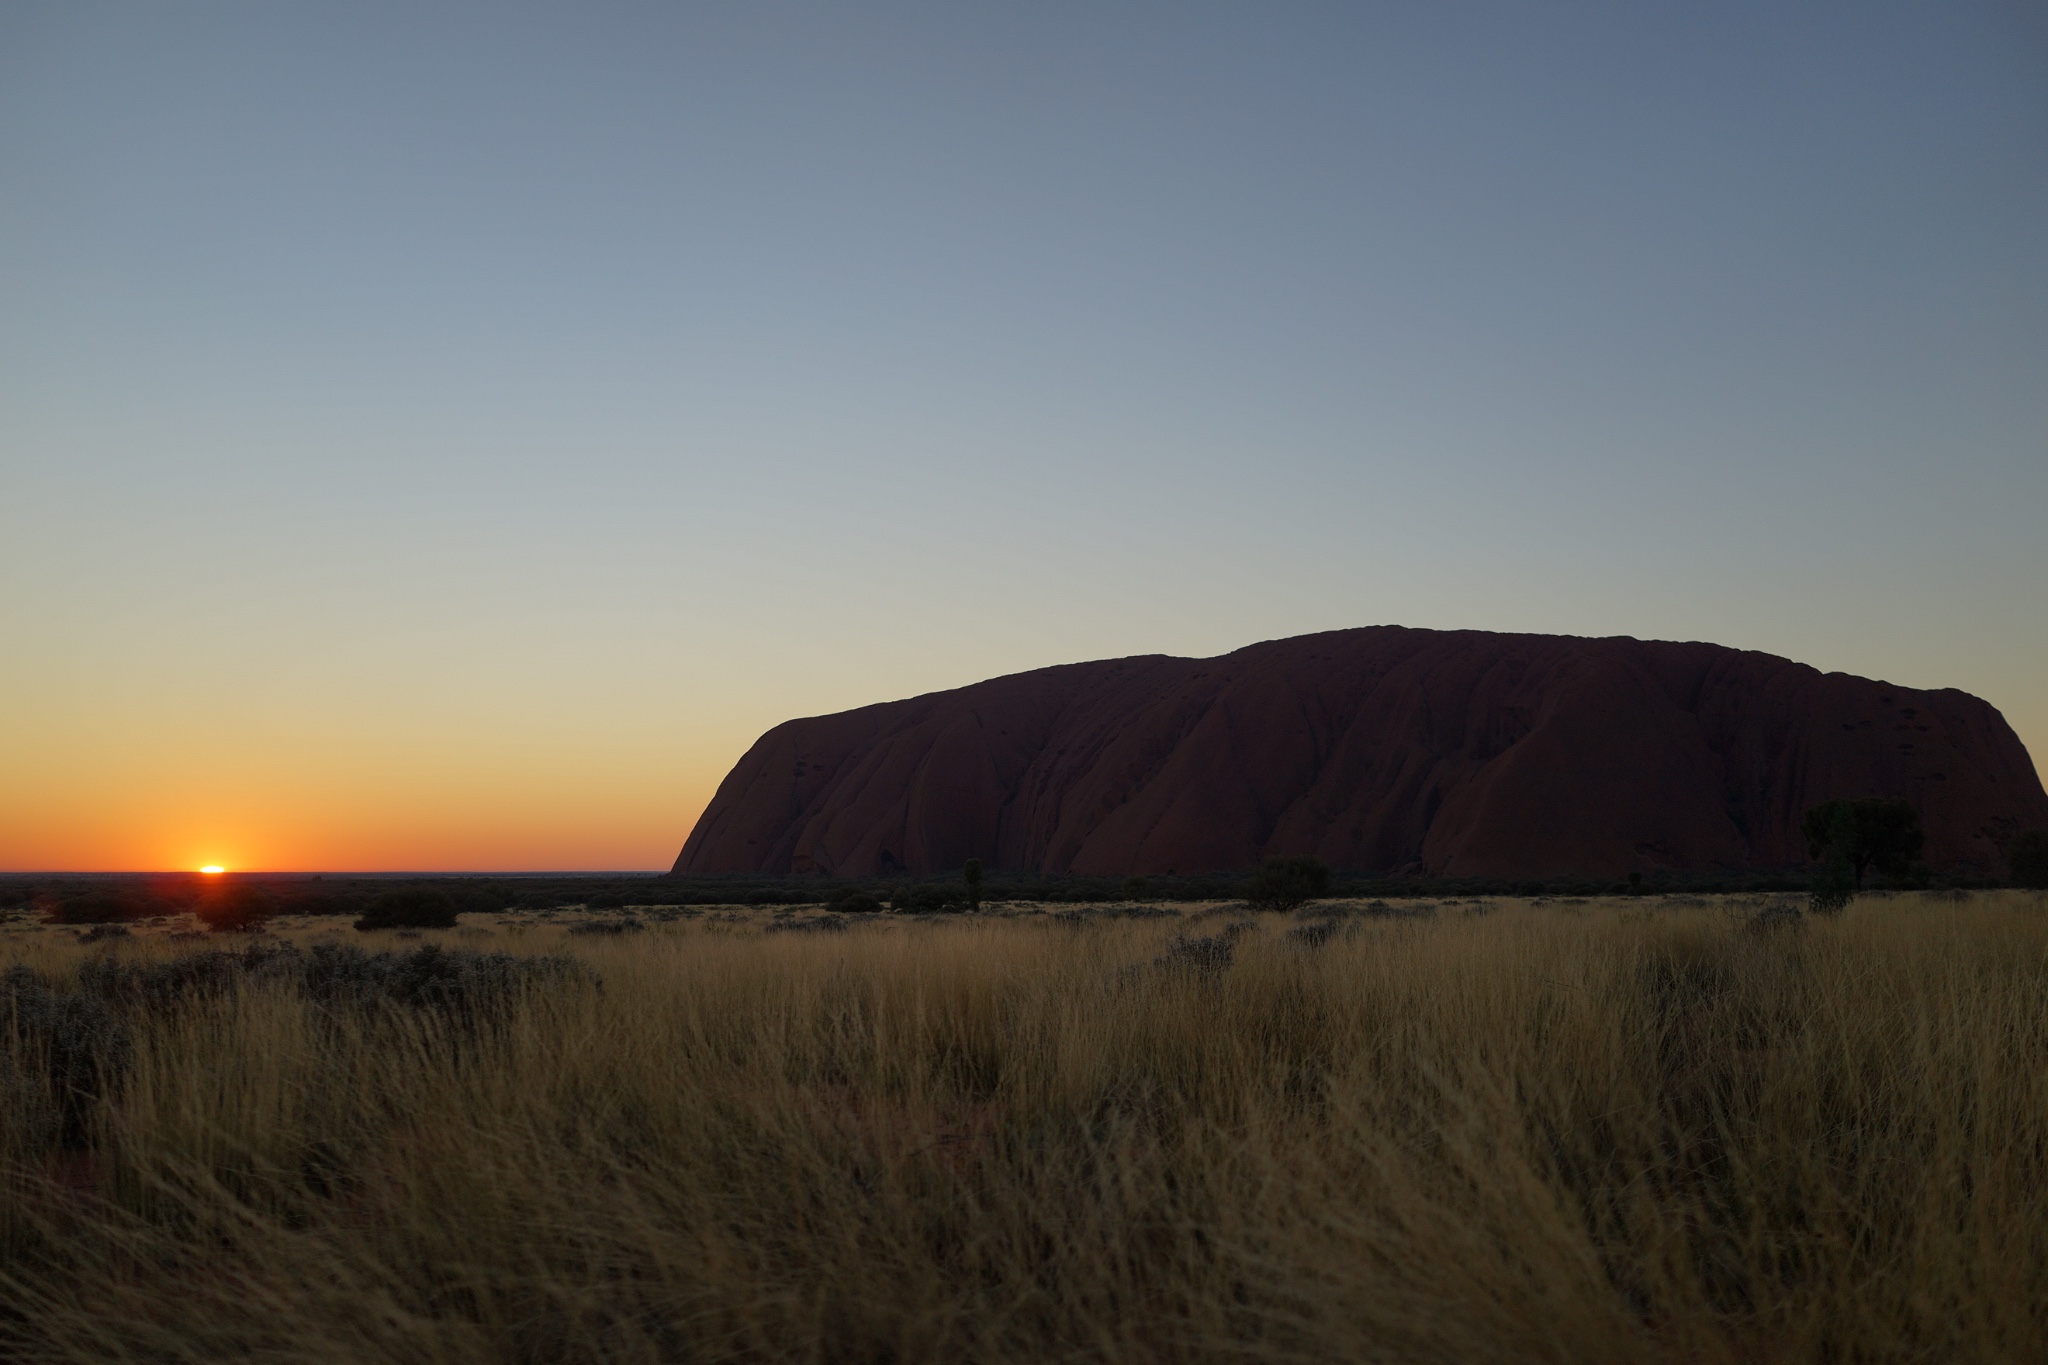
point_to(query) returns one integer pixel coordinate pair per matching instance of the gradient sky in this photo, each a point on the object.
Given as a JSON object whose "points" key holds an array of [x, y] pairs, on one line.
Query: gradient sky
{"points": [[446, 437]]}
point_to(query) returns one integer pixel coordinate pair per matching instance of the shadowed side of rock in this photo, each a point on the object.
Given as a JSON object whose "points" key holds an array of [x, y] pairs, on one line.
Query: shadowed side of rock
{"points": [[1457, 753]]}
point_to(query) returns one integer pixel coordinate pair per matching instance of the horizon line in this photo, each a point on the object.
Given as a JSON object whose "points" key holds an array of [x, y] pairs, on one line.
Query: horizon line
{"points": [[335, 872]]}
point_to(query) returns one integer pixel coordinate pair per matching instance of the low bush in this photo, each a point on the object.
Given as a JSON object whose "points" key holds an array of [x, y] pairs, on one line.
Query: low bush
{"points": [[239, 907], [1210, 954], [1283, 884], [61, 1052], [320, 902], [153, 986], [94, 907], [1316, 933], [452, 980], [329, 974], [821, 924], [1775, 917], [1383, 910], [930, 898], [410, 907]]}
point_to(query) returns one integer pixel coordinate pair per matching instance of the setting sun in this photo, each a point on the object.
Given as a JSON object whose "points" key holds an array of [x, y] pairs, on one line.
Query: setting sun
{"points": [[213, 869]]}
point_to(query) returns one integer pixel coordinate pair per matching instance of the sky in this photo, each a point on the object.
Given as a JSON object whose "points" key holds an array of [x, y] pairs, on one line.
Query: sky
{"points": [[445, 437]]}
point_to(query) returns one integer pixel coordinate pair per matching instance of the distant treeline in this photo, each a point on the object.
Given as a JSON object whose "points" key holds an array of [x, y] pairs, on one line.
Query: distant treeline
{"points": [[110, 898]]}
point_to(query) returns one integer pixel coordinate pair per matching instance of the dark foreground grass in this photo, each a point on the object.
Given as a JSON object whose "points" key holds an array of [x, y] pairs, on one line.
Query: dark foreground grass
{"points": [[1626, 1131]]}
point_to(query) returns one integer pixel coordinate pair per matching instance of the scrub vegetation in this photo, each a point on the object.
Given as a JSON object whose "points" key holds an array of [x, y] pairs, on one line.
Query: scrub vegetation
{"points": [[239, 901], [1649, 1128]]}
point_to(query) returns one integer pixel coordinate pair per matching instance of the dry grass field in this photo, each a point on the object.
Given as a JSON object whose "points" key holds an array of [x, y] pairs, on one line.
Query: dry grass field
{"points": [[1627, 1130]]}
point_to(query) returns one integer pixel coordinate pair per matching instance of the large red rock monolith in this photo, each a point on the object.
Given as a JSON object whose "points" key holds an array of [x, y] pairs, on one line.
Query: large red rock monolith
{"points": [[1450, 753]]}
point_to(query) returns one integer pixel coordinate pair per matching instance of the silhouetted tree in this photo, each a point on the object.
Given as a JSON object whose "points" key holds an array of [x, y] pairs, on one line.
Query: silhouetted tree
{"points": [[971, 874], [1830, 889], [2027, 855], [1136, 888], [1859, 835], [1284, 884]]}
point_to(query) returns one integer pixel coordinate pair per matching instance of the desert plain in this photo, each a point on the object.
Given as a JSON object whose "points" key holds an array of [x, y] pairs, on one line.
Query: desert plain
{"points": [[1654, 1128]]}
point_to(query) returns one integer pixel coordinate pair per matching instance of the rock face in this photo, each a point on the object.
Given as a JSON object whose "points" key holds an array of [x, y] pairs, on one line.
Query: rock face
{"points": [[1451, 753]]}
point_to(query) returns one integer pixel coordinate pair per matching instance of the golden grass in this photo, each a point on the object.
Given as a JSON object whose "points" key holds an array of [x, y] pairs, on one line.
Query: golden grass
{"points": [[1619, 1131]]}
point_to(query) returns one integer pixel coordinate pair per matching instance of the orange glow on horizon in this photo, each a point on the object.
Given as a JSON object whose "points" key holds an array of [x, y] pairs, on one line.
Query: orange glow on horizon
{"points": [[256, 823]]}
